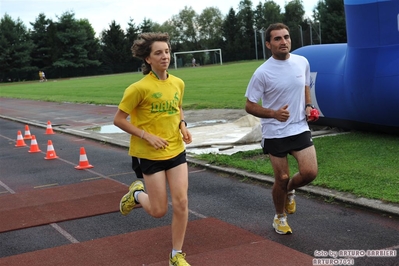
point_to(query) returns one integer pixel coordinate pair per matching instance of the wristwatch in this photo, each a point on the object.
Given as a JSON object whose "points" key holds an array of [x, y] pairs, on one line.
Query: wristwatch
{"points": [[309, 105], [182, 121]]}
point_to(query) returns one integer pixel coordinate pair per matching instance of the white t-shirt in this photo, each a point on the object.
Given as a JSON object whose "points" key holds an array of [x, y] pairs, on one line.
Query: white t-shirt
{"points": [[278, 83]]}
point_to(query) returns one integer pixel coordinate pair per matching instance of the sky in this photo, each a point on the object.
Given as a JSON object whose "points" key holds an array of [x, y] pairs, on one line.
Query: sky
{"points": [[101, 13]]}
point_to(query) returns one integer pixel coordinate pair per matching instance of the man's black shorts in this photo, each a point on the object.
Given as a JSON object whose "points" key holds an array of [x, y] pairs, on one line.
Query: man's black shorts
{"points": [[280, 147], [149, 167]]}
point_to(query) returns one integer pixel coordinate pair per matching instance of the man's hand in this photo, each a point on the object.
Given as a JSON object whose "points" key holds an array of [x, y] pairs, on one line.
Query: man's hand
{"points": [[313, 115], [282, 114]]}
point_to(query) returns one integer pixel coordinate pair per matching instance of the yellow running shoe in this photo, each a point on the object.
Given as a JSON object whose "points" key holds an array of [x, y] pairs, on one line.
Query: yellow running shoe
{"points": [[178, 260], [128, 202], [290, 204], [280, 224]]}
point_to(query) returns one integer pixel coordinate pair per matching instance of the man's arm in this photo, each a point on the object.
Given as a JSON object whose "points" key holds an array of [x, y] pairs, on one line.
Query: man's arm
{"points": [[308, 97], [308, 101], [255, 109]]}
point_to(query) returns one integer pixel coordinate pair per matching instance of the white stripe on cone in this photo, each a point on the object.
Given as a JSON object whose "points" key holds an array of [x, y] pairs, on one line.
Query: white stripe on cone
{"points": [[83, 158], [83, 161], [50, 151], [34, 147]]}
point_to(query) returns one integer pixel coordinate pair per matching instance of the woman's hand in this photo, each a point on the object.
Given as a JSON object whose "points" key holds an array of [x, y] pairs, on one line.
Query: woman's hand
{"points": [[155, 141], [187, 138]]}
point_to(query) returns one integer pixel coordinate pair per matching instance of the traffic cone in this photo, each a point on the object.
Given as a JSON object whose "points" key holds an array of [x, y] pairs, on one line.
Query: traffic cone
{"points": [[33, 145], [20, 140], [49, 129], [83, 162], [27, 133], [50, 151]]}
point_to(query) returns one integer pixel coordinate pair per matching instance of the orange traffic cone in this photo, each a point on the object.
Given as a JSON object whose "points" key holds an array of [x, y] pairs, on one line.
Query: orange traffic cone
{"points": [[20, 140], [27, 133], [33, 145], [49, 129], [83, 162], [50, 151]]}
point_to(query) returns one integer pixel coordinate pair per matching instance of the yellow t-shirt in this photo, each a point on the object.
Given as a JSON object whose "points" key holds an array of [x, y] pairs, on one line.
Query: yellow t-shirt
{"points": [[153, 105]]}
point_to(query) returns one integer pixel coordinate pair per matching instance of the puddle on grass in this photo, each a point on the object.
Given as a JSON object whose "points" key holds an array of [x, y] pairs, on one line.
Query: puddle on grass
{"points": [[109, 129]]}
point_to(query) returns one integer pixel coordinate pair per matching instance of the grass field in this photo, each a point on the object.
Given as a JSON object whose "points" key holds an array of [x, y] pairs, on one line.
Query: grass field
{"points": [[365, 164], [206, 87]]}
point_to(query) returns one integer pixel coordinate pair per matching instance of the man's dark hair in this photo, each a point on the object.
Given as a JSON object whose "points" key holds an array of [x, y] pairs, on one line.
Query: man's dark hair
{"points": [[275, 26]]}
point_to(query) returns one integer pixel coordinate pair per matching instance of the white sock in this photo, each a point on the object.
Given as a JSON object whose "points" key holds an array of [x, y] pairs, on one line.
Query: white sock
{"points": [[174, 252], [136, 195], [291, 195]]}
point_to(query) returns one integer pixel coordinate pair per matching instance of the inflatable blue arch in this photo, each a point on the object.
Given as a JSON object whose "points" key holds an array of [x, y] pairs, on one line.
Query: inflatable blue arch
{"points": [[355, 85]]}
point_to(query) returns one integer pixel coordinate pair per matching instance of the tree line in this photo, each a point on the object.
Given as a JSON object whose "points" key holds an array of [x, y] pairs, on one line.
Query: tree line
{"points": [[69, 47]]}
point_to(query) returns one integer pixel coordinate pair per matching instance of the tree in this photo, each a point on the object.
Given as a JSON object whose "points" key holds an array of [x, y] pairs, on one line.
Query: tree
{"points": [[132, 33], [15, 49], [147, 25], [174, 35], [41, 53], [264, 15], [91, 45], [331, 15], [246, 37], [72, 39], [293, 17], [186, 25], [115, 54], [271, 13], [230, 31], [210, 27], [68, 47]]}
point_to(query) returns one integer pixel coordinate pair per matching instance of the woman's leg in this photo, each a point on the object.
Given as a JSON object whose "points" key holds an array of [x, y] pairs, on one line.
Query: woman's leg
{"points": [[178, 183], [155, 199]]}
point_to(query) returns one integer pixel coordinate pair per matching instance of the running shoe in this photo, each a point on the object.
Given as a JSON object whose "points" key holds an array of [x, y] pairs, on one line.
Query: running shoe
{"points": [[178, 260], [290, 204], [280, 224], [128, 202]]}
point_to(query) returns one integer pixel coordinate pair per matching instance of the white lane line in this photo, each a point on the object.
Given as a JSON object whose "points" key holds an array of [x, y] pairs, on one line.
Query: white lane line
{"points": [[394, 247], [198, 171], [64, 233], [197, 214], [47, 185], [107, 177], [189, 210], [7, 188]]}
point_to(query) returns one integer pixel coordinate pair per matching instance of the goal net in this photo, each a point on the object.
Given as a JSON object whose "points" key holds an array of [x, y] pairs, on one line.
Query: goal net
{"points": [[209, 56]]}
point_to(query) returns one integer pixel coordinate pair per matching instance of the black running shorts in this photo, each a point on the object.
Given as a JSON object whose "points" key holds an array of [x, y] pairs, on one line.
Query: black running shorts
{"points": [[280, 147], [136, 167], [149, 167]]}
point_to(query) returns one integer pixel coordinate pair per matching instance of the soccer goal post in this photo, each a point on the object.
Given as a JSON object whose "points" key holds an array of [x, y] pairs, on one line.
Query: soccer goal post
{"points": [[218, 51]]}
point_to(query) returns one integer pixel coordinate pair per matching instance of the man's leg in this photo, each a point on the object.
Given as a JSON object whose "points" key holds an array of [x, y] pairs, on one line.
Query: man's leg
{"points": [[279, 193], [281, 179], [307, 165]]}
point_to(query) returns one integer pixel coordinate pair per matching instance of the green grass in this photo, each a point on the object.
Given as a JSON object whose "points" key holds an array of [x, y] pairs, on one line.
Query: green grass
{"points": [[206, 87], [95, 90], [365, 164]]}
